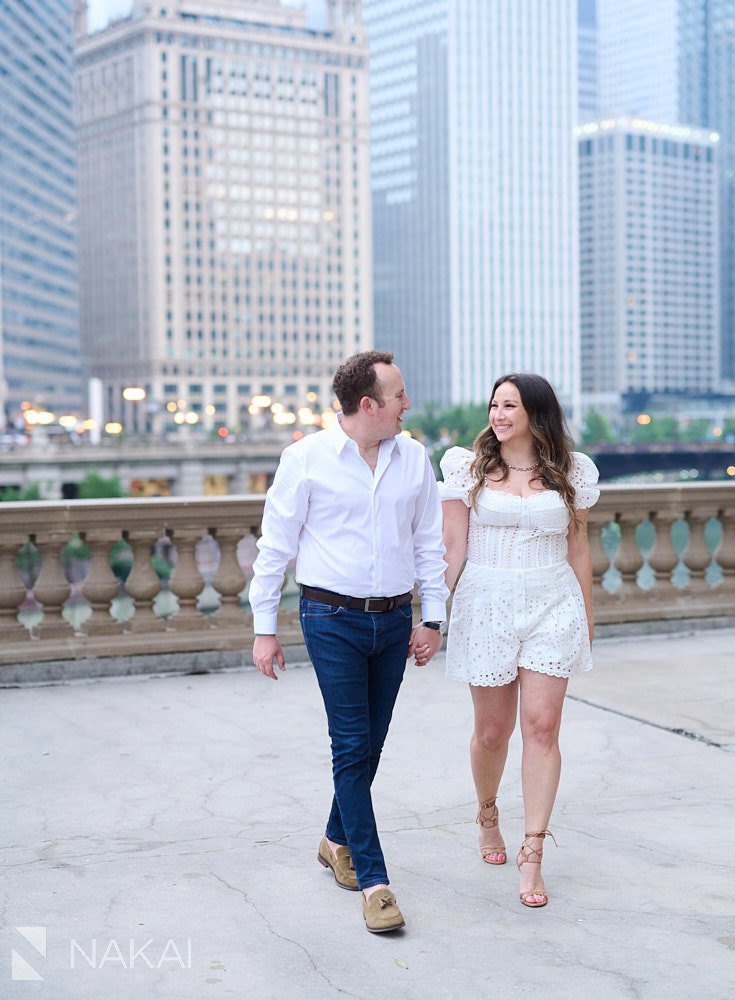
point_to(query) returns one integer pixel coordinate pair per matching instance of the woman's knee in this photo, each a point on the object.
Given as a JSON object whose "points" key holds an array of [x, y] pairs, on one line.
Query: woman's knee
{"points": [[492, 735], [541, 729]]}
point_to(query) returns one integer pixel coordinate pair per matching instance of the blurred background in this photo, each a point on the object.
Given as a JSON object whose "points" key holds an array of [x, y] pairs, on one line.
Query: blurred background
{"points": [[206, 205]]}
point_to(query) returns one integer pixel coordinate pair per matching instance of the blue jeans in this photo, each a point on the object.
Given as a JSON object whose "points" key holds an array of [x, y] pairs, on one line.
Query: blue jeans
{"points": [[359, 659]]}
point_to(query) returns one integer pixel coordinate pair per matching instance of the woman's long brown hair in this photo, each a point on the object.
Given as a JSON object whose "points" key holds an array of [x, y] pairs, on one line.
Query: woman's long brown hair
{"points": [[551, 439]]}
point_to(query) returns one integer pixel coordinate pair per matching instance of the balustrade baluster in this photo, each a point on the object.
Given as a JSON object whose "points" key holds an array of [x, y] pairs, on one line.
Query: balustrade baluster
{"points": [[229, 580], [187, 582], [51, 588], [600, 558], [100, 584], [663, 557], [142, 583], [725, 554], [697, 555], [628, 558], [12, 590]]}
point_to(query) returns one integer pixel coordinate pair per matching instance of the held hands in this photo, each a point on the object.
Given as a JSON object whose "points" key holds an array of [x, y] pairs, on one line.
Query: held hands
{"points": [[265, 649], [424, 644]]}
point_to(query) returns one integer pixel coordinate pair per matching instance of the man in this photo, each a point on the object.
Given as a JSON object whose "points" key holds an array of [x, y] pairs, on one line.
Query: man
{"points": [[358, 506]]}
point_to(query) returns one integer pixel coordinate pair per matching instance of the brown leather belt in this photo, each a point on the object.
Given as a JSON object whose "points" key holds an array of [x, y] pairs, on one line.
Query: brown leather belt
{"points": [[356, 603]]}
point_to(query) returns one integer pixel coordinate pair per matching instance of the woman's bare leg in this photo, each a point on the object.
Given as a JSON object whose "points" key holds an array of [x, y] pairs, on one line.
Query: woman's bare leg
{"points": [[542, 701], [495, 718]]}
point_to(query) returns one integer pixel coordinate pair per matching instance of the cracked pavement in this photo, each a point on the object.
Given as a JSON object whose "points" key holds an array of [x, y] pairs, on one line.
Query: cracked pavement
{"points": [[189, 809]]}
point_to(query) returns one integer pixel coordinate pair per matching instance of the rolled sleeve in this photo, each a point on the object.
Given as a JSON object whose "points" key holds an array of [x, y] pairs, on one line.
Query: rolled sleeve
{"points": [[428, 549], [286, 505]]}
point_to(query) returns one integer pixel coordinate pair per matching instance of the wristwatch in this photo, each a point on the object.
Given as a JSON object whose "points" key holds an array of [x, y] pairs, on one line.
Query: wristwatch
{"points": [[440, 627]]}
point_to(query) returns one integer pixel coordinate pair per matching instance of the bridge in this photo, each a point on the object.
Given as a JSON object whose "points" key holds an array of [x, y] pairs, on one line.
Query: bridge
{"points": [[710, 459], [186, 468]]}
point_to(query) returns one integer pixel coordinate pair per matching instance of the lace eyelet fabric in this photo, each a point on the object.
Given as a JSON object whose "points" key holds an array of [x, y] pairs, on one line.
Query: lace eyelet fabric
{"points": [[518, 602]]}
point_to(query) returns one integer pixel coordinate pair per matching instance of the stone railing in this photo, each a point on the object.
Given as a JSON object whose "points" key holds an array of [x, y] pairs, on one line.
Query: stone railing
{"points": [[96, 579]]}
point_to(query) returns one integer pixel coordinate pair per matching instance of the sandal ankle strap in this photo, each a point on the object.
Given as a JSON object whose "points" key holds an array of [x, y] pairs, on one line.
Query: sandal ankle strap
{"points": [[492, 819]]}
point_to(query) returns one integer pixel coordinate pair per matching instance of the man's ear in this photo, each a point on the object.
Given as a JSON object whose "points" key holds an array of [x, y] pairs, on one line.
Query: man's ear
{"points": [[366, 405]]}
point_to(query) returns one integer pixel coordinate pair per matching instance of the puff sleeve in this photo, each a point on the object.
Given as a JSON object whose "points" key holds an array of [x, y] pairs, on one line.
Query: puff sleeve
{"points": [[455, 466], [583, 477]]}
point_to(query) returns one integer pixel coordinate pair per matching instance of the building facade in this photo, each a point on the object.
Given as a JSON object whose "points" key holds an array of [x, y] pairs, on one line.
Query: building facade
{"points": [[673, 61], [639, 69], [649, 255], [225, 240], [474, 179], [39, 327], [587, 60]]}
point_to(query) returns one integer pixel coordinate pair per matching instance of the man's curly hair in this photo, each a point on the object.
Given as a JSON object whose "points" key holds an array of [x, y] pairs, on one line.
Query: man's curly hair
{"points": [[356, 378]]}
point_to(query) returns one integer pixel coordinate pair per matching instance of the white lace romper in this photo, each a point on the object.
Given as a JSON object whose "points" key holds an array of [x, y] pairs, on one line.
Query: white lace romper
{"points": [[518, 601]]}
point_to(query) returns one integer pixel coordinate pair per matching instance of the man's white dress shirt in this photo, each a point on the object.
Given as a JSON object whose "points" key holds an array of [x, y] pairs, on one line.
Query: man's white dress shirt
{"points": [[353, 531]]}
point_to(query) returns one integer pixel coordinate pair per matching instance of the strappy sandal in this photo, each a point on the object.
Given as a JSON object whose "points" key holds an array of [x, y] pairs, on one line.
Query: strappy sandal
{"points": [[487, 823], [525, 857]]}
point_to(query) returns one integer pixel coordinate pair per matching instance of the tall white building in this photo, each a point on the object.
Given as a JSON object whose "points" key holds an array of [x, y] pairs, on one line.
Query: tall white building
{"points": [[225, 244], [587, 60], [638, 53], [649, 248], [473, 105]]}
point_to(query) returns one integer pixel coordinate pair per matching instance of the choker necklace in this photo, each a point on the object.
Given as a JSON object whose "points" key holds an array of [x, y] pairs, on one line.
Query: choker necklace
{"points": [[522, 468]]}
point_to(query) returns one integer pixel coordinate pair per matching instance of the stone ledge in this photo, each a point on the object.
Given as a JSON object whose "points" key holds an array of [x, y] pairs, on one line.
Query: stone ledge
{"points": [[213, 660]]}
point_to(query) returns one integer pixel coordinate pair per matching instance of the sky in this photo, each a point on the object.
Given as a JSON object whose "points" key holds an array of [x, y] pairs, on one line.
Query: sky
{"points": [[100, 11]]}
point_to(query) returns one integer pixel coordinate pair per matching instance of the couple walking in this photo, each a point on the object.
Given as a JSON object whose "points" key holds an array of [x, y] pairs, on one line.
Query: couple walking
{"points": [[359, 508]]}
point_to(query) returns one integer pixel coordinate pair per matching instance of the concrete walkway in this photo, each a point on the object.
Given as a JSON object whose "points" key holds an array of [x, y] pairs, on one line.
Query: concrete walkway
{"points": [[189, 809]]}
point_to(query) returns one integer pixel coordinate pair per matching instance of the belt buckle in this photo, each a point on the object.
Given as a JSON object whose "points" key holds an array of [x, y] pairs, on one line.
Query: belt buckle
{"points": [[367, 607]]}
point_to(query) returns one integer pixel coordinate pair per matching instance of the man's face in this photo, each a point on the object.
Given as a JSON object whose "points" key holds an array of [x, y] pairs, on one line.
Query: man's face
{"points": [[388, 417]]}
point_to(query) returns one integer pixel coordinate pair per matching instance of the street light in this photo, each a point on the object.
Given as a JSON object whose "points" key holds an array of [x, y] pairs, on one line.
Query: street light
{"points": [[643, 419], [113, 427], [134, 393]]}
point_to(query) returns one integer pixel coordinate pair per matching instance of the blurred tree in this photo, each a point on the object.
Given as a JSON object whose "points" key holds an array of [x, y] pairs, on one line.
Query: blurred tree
{"points": [[659, 429], [439, 429], [97, 487], [30, 492], [697, 430], [596, 429]]}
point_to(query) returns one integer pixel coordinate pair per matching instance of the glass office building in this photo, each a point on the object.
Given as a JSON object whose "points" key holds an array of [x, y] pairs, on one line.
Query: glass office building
{"points": [[474, 191], [587, 60], [673, 61], [649, 246], [39, 335]]}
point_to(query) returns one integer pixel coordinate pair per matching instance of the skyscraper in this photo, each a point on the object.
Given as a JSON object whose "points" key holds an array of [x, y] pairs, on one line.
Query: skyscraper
{"points": [[638, 46], [717, 83], [649, 247], [587, 59], [224, 203], [673, 61], [39, 331], [474, 185]]}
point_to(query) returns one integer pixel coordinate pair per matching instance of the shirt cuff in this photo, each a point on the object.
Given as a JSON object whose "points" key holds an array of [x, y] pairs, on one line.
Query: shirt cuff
{"points": [[265, 623], [433, 611]]}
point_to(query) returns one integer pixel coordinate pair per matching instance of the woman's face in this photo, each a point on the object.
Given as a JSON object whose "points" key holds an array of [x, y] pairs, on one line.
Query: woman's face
{"points": [[508, 418]]}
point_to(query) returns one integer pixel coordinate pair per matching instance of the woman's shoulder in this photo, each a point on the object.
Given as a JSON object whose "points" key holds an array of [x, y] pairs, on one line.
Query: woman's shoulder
{"points": [[583, 468], [456, 461], [583, 476]]}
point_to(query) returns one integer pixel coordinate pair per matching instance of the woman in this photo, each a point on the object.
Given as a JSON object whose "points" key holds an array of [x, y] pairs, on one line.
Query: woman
{"points": [[516, 508]]}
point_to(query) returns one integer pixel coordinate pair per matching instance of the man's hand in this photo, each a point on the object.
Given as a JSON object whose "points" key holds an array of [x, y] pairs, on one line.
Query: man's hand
{"points": [[265, 648], [424, 644]]}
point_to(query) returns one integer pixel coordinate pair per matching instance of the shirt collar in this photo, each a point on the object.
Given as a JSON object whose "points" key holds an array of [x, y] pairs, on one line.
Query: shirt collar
{"points": [[340, 438]]}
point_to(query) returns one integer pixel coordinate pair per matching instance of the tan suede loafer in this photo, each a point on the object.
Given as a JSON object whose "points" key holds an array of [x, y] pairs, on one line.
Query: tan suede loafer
{"points": [[340, 863], [381, 912]]}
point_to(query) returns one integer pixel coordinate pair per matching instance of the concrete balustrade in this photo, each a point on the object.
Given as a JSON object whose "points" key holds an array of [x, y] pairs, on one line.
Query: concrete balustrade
{"points": [[202, 605]]}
